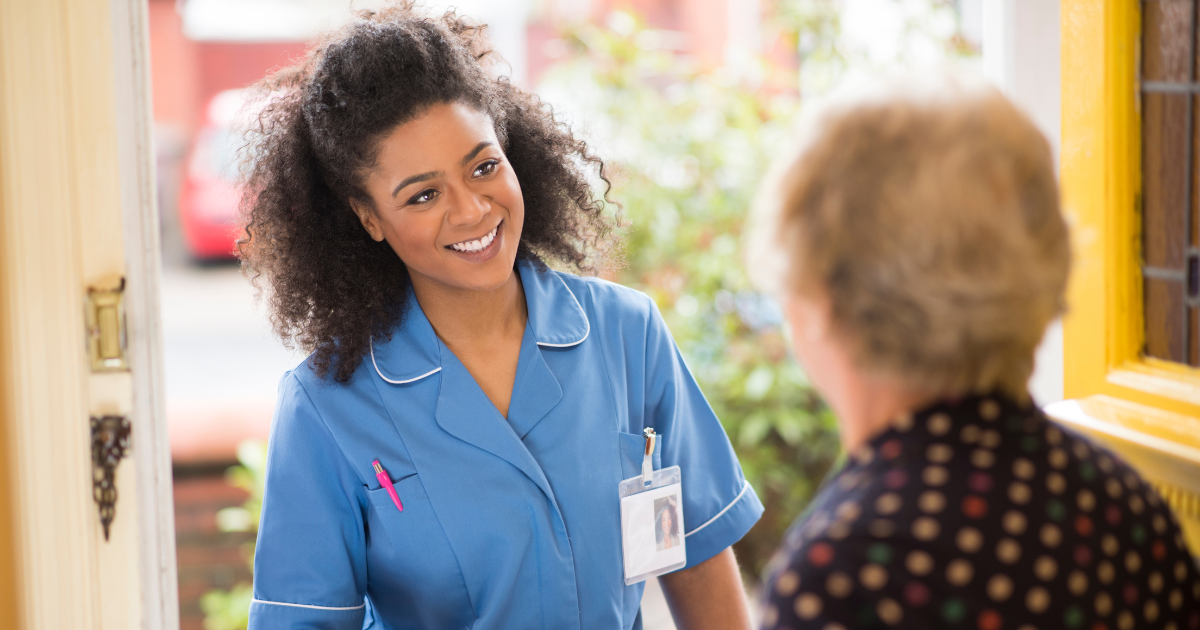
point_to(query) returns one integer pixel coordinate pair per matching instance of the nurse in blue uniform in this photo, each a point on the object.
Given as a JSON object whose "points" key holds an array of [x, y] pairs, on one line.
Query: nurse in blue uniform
{"points": [[403, 208]]}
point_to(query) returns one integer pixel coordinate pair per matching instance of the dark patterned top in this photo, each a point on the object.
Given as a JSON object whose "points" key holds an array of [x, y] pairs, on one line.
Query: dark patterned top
{"points": [[982, 514]]}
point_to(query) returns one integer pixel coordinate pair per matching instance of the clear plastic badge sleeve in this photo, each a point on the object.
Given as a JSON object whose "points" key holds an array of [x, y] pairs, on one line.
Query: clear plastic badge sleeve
{"points": [[652, 525]]}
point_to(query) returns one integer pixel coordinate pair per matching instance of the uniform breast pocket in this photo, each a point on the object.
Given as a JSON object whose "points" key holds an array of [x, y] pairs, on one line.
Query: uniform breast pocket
{"points": [[413, 576], [633, 448]]}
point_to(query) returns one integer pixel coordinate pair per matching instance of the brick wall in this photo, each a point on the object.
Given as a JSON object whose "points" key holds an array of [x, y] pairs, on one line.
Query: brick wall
{"points": [[208, 558]]}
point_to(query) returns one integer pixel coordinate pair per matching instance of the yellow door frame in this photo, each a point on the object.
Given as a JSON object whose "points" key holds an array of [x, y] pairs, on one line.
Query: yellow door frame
{"points": [[1101, 181], [1146, 409]]}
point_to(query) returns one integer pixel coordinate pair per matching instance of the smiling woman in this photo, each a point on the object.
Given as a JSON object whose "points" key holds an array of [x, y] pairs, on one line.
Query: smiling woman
{"points": [[402, 207], [456, 226], [330, 130]]}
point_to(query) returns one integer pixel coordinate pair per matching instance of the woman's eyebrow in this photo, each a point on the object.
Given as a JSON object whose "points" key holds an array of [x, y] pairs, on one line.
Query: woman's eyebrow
{"points": [[479, 147], [414, 179], [432, 174]]}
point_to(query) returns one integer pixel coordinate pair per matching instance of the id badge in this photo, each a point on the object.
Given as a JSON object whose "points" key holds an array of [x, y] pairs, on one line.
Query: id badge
{"points": [[652, 540]]}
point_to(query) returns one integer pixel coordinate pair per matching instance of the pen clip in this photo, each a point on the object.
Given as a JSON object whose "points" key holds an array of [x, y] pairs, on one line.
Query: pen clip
{"points": [[648, 457]]}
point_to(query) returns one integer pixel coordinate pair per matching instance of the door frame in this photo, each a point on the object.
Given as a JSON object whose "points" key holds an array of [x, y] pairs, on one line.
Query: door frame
{"points": [[77, 208], [143, 257]]}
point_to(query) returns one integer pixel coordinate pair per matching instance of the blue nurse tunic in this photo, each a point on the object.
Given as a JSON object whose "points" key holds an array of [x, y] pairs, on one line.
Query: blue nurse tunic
{"points": [[507, 522]]}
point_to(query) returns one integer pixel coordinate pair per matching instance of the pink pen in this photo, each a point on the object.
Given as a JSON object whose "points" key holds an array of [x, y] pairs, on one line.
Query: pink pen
{"points": [[386, 482]]}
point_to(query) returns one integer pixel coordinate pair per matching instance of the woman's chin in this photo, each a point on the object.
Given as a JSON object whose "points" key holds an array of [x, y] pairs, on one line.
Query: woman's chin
{"points": [[486, 277], [484, 271]]}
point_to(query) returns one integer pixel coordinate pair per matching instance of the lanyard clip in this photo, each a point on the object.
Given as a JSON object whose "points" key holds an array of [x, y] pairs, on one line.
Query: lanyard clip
{"points": [[648, 458]]}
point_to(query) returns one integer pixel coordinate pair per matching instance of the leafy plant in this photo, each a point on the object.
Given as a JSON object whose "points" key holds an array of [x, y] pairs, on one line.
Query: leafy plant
{"points": [[230, 609], [690, 147]]}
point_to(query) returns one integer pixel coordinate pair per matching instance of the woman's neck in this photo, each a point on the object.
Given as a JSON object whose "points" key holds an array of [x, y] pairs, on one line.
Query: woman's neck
{"points": [[867, 405], [463, 316]]}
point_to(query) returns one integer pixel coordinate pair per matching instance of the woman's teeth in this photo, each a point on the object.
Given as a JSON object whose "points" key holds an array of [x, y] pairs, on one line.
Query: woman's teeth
{"points": [[478, 244]]}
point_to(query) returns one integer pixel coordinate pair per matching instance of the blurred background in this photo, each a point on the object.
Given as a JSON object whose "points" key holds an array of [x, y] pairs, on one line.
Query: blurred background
{"points": [[689, 100]]}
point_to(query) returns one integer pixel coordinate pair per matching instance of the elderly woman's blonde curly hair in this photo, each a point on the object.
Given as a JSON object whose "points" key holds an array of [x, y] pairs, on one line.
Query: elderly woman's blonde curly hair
{"points": [[931, 224]]}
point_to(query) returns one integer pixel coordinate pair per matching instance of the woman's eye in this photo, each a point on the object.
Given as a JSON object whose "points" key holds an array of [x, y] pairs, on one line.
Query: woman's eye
{"points": [[425, 196], [487, 168]]}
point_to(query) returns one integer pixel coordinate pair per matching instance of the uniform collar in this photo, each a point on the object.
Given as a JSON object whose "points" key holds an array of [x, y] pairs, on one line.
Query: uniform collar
{"points": [[556, 319]]}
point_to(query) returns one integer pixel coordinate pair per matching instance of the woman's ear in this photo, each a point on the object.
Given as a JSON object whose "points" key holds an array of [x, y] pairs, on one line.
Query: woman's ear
{"points": [[369, 220], [807, 317]]}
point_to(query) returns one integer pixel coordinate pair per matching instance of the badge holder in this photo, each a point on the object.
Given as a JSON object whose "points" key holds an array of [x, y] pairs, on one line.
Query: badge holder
{"points": [[652, 540]]}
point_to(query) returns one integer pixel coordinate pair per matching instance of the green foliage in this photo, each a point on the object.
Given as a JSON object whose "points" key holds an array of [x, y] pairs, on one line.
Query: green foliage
{"points": [[230, 609], [227, 610], [690, 148]]}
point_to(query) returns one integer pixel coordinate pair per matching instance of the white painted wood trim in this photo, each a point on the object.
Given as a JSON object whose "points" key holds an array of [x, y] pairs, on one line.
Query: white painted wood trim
{"points": [[152, 452], [1021, 52]]}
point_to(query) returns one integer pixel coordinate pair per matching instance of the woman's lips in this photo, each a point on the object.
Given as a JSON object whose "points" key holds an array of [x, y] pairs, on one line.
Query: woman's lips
{"points": [[487, 252], [476, 245]]}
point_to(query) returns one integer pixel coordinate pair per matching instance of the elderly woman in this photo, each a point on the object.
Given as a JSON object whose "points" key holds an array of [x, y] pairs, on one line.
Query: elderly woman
{"points": [[922, 253]]}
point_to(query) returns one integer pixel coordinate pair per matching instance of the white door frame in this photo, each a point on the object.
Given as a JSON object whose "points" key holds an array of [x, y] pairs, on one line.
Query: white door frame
{"points": [[139, 211]]}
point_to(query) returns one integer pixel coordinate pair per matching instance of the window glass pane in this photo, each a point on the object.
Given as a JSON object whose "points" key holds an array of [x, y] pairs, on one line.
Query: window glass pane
{"points": [[1165, 319], [1164, 178], [1194, 237], [1193, 336], [1166, 40]]}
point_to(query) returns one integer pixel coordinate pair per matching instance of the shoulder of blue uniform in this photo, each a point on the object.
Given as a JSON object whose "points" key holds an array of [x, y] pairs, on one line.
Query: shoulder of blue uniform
{"points": [[303, 387], [305, 374], [607, 298], [302, 379]]}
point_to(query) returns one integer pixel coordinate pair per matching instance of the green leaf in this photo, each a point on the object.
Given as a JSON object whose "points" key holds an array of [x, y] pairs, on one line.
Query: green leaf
{"points": [[759, 382], [753, 430], [227, 610]]}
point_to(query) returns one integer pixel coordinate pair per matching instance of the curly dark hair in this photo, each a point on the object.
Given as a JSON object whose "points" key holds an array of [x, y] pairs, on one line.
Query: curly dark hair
{"points": [[331, 289]]}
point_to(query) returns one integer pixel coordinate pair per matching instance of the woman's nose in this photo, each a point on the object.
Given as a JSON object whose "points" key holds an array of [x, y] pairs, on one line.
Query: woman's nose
{"points": [[467, 208]]}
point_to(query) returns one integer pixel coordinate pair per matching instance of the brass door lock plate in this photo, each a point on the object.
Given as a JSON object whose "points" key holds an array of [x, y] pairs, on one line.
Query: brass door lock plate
{"points": [[105, 320]]}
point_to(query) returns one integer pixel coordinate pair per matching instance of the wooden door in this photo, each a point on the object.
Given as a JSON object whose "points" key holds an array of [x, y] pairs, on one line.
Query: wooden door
{"points": [[77, 211]]}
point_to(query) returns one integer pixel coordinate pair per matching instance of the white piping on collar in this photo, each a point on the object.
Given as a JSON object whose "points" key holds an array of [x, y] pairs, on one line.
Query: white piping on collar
{"points": [[262, 601], [587, 332], [585, 319], [394, 382], [745, 487]]}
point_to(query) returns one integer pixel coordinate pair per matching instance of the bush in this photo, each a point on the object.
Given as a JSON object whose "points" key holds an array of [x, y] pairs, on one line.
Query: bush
{"points": [[230, 610], [690, 147]]}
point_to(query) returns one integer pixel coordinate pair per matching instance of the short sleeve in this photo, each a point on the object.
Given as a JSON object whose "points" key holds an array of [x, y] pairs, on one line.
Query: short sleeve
{"points": [[719, 506], [310, 561]]}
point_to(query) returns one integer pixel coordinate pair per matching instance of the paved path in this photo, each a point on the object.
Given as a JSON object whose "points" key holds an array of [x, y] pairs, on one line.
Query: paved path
{"points": [[222, 362]]}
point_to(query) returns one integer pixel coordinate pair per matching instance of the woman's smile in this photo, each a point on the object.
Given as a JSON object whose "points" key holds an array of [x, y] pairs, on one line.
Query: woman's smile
{"points": [[480, 249]]}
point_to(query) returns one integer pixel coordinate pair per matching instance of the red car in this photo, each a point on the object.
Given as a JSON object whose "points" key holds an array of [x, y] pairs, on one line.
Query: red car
{"points": [[209, 196]]}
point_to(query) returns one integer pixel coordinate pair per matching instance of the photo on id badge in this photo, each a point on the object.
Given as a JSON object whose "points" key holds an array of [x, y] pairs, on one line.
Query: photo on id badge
{"points": [[666, 523], [652, 525]]}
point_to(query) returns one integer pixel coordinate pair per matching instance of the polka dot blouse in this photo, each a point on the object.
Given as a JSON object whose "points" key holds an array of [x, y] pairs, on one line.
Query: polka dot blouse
{"points": [[982, 514]]}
